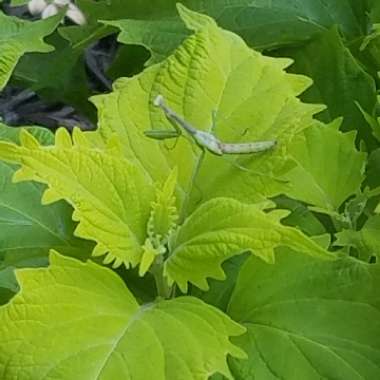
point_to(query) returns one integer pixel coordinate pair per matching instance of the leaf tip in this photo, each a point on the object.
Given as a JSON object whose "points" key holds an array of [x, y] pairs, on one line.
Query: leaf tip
{"points": [[23, 174], [50, 196], [63, 138], [80, 138], [28, 140]]}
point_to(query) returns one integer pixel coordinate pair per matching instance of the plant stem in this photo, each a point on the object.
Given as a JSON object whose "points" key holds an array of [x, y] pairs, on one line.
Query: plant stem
{"points": [[163, 289]]}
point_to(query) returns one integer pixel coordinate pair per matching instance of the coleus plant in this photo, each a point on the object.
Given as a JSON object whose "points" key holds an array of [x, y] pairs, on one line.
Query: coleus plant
{"points": [[177, 214], [18, 37]]}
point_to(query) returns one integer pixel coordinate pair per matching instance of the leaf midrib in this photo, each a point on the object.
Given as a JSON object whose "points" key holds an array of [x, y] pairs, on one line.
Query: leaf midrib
{"points": [[35, 221]]}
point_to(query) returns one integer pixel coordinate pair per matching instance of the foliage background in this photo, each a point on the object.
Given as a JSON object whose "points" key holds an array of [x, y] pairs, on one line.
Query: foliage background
{"points": [[295, 314]]}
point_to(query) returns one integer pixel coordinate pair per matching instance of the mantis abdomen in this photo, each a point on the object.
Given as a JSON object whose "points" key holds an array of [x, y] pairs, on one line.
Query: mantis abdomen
{"points": [[246, 148]]}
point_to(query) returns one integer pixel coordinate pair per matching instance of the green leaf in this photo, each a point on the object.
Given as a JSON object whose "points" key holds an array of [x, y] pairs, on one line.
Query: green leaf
{"points": [[18, 37], [367, 50], [355, 209], [219, 293], [366, 241], [372, 121], [107, 335], [339, 81], [16, 3], [308, 319], [8, 284], [26, 225], [373, 169], [300, 216], [129, 60], [29, 230], [111, 197], [329, 168], [84, 35], [58, 76], [12, 134], [268, 25], [262, 24], [254, 97], [222, 228], [375, 11], [161, 37]]}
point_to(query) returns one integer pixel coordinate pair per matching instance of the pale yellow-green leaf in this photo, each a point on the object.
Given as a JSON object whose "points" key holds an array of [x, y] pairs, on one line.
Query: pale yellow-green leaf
{"points": [[222, 228], [148, 256], [254, 99], [329, 168], [111, 197], [76, 320], [164, 214]]}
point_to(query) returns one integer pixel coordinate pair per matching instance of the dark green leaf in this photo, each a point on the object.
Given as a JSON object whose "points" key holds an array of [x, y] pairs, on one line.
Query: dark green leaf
{"points": [[308, 319], [339, 82]]}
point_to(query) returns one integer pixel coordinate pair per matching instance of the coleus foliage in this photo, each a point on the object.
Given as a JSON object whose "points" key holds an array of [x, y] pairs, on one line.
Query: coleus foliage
{"points": [[28, 229], [178, 214], [18, 37]]}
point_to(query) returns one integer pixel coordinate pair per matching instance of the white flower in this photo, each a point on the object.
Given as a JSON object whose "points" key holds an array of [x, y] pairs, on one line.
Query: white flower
{"points": [[62, 3], [51, 8], [37, 6], [75, 14]]}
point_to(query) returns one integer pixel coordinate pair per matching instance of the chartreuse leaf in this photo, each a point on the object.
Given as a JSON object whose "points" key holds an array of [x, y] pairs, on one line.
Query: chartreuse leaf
{"points": [[162, 222], [111, 197], [18, 37], [163, 216], [29, 230], [308, 319], [107, 335], [149, 255], [366, 241], [329, 168], [111, 188], [254, 99], [222, 228]]}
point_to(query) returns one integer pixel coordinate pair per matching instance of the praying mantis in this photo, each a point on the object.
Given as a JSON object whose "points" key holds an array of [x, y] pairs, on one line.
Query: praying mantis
{"points": [[205, 140]]}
